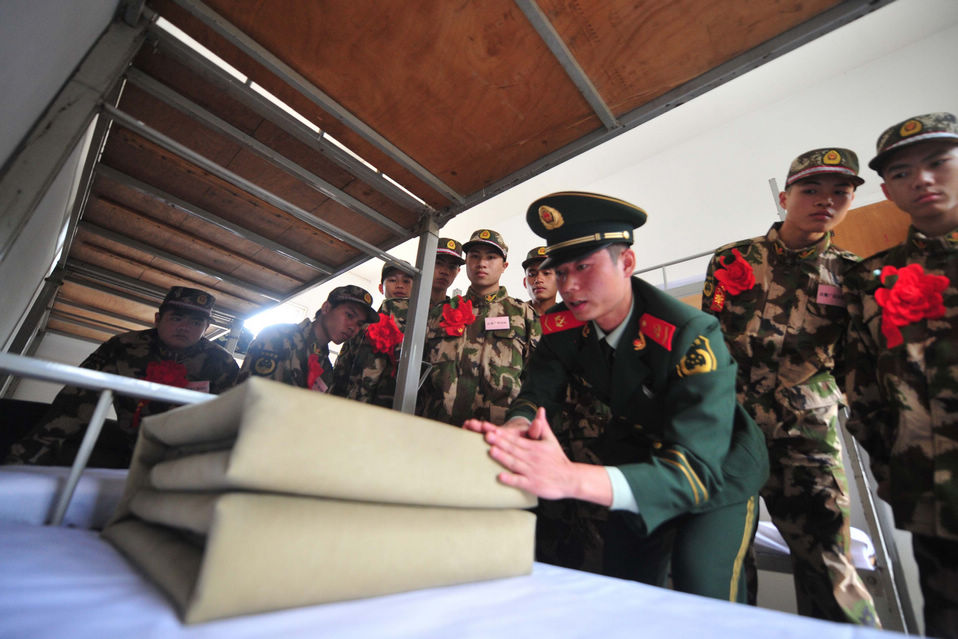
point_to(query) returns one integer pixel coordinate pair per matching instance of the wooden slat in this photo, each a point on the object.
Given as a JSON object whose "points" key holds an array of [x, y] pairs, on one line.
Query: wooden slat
{"points": [[636, 51]]}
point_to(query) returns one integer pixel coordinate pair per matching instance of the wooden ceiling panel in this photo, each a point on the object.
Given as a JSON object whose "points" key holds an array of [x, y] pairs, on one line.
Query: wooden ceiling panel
{"points": [[178, 125], [467, 89], [135, 200], [128, 223], [78, 294], [668, 42], [58, 325], [230, 54]]}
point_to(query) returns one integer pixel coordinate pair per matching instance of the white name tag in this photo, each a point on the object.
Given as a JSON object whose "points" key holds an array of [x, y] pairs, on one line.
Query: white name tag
{"points": [[497, 323], [831, 295], [203, 387]]}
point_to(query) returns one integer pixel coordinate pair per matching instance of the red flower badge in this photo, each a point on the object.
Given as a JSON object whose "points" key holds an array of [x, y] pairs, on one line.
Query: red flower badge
{"points": [[737, 276], [165, 372], [909, 295], [385, 336], [314, 380], [455, 318]]}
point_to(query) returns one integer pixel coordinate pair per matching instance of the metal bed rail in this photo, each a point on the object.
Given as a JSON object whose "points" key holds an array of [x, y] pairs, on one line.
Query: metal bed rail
{"points": [[107, 384]]}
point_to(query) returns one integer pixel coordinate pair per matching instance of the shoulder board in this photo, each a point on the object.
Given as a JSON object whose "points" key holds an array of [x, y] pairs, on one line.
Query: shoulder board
{"points": [[847, 255], [728, 247], [658, 330], [560, 321]]}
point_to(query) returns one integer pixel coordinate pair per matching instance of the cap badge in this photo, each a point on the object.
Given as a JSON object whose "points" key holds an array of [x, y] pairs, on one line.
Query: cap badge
{"points": [[451, 244], [541, 250], [550, 218], [484, 235], [832, 157], [910, 128], [368, 298]]}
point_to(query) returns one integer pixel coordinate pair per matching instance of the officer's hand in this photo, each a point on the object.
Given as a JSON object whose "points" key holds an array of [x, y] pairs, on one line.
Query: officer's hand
{"points": [[537, 464], [517, 424]]}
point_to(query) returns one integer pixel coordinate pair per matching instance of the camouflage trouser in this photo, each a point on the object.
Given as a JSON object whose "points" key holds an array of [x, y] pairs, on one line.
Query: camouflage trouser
{"points": [[807, 498], [937, 561]]}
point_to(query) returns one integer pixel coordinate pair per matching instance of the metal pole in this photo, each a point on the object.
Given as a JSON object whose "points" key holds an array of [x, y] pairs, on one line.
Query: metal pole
{"points": [[83, 455], [410, 359]]}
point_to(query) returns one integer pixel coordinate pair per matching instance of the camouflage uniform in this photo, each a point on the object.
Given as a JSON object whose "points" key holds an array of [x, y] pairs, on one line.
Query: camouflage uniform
{"points": [[477, 374], [281, 352], [786, 334], [209, 368], [904, 411]]}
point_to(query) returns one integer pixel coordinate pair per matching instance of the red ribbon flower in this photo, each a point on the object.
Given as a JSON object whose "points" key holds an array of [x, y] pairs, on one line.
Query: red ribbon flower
{"points": [[909, 295], [385, 336], [455, 318], [165, 372], [737, 276], [315, 373]]}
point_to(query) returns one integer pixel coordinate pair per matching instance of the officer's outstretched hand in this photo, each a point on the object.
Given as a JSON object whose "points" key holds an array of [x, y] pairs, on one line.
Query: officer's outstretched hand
{"points": [[537, 464]]}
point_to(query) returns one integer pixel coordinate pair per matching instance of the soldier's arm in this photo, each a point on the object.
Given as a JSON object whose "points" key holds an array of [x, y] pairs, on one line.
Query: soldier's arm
{"points": [[261, 359], [67, 417], [224, 371]]}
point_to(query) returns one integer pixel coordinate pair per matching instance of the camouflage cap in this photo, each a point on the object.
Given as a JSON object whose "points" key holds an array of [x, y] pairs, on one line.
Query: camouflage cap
{"points": [[921, 128], [576, 223], [538, 254], [387, 269], [192, 299], [833, 160], [490, 237], [451, 248], [352, 293]]}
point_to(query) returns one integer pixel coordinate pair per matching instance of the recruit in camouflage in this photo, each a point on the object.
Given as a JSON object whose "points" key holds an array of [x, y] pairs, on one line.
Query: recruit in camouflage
{"points": [[291, 354], [364, 373], [476, 373], [141, 355], [903, 379], [784, 318]]}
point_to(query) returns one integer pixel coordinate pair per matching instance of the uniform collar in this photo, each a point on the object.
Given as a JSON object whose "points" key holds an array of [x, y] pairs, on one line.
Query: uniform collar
{"points": [[309, 337], [486, 299], [812, 252], [946, 243], [614, 336]]}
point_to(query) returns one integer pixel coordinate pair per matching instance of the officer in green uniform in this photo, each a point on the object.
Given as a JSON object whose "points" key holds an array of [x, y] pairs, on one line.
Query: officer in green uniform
{"points": [[902, 355], [778, 298], [540, 282], [173, 353], [366, 367], [483, 342], [675, 459], [298, 354]]}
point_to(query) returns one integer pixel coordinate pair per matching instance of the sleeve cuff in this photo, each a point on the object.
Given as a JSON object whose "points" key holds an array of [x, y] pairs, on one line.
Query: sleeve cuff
{"points": [[622, 497]]}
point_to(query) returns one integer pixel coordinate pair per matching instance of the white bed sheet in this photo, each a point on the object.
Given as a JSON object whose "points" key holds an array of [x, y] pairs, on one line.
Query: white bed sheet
{"points": [[28, 495], [61, 582]]}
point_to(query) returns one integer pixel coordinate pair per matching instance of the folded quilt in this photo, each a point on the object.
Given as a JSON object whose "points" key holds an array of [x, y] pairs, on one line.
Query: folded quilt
{"points": [[266, 436], [272, 497], [268, 552]]}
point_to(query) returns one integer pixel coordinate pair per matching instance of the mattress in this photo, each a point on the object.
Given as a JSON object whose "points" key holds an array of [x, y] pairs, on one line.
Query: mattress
{"points": [[61, 582]]}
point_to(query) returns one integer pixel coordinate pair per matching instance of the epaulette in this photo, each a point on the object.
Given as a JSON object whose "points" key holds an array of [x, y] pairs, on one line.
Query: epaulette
{"points": [[658, 330], [725, 248], [847, 255], [559, 321]]}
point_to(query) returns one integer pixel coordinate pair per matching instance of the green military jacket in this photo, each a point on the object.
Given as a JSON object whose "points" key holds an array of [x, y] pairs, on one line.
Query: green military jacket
{"points": [[902, 381], [786, 332], [476, 374], [203, 367], [674, 428], [291, 354]]}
